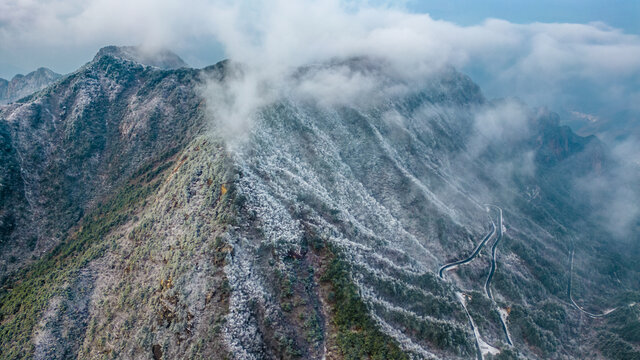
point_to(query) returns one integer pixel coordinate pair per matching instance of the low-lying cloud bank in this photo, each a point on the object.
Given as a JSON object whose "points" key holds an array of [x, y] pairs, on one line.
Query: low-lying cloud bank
{"points": [[538, 62], [541, 63], [615, 195], [277, 40], [564, 66]]}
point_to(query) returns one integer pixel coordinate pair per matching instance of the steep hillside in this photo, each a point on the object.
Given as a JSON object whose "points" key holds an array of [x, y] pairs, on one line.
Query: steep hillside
{"points": [[423, 223], [401, 187], [78, 140]]}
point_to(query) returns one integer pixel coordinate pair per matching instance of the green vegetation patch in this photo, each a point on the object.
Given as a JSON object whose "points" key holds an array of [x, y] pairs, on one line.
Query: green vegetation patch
{"points": [[612, 347], [528, 326], [625, 322], [550, 275], [24, 296], [439, 334], [484, 313], [358, 335]]}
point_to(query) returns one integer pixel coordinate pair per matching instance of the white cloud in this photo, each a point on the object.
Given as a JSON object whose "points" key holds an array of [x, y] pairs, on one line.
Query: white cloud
{"points": [[285, 32], [504, 120], [543, 63], [552, 64], [614, 194]]}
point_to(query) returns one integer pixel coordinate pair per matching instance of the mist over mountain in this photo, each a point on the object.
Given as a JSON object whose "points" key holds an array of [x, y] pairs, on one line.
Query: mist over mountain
{"points": [[356, 180], [152, 210]]}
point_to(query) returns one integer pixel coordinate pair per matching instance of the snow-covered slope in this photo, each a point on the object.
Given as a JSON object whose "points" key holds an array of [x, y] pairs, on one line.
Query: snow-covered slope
{"points": [[141, 226], [400, 187]]}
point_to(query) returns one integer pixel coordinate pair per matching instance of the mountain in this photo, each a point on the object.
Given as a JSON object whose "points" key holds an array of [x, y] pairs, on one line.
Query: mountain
{"points": [[133, 226], [23, 85], [160, 58]]}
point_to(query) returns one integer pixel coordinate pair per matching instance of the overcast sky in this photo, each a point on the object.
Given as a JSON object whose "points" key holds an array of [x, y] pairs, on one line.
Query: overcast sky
{"points": [[574, 56]]}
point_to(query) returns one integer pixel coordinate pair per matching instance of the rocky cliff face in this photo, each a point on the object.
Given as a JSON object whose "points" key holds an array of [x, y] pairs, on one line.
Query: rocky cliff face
{"points": [[23, 85], [131, 229]]}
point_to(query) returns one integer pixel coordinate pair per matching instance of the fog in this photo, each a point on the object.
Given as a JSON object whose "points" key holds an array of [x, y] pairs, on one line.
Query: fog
{"points": [[281, 48], [614, 195], [399, 52], [589, 68]]}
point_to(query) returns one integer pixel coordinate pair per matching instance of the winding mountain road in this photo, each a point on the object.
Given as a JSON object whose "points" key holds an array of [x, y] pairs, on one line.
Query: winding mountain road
{"points": [[476, 251], [472, 256], [589, 314], [481, 346], [487, 284]]}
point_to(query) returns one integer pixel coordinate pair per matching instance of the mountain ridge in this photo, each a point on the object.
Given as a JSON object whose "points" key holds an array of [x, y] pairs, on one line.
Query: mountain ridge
{"points": [[320, 236], [160, 58]]}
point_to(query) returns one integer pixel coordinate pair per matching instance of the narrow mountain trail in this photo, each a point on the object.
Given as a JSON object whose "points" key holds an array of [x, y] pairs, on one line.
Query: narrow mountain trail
{"points": [[482, 347]]}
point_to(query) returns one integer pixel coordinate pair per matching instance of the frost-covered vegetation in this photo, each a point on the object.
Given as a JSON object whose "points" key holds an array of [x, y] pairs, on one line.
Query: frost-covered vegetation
{"points": [[142, 230]]}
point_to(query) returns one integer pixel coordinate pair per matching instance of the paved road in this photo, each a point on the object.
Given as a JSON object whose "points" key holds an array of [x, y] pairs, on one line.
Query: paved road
{"points": [[472, 256], [487, 284], [589, 314]]}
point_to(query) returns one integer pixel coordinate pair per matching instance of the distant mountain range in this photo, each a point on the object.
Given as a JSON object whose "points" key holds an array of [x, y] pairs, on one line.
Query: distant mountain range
{"points": [[23, 85], [131, 226]]}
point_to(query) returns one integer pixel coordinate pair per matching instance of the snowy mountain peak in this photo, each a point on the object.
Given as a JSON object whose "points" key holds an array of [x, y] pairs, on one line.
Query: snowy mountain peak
{"points": [[160, 58]]}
